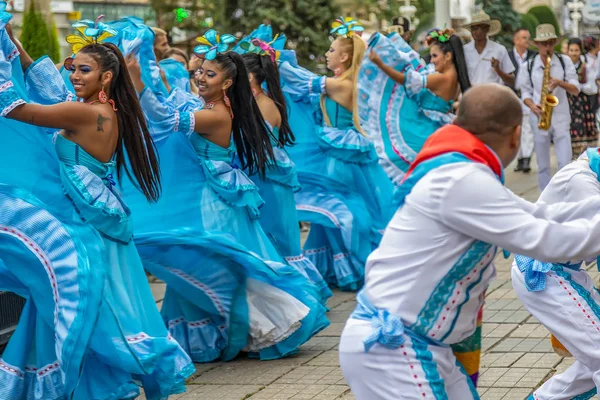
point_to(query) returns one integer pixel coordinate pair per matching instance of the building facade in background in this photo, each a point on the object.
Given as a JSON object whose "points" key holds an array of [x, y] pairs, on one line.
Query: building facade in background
{"points": [[115, 9]]}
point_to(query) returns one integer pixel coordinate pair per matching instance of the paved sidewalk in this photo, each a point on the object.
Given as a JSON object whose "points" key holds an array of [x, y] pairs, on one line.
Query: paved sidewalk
{"points": [[517, 356]]}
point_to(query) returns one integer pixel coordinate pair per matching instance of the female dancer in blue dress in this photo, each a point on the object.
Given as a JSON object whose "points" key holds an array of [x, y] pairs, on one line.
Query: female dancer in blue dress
{"points": [[274, 308], [402, 104], [345, 194], [90, 328], [278, 217]]}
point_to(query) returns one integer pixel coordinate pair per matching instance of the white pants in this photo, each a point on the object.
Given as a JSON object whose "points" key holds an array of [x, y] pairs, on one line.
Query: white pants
{"points": [[410, 372], [541, 140], [566, 308], [526, 148]]}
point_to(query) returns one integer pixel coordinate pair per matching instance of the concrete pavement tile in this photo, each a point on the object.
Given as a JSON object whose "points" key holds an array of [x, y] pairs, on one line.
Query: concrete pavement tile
{"points": [[538, 360], [488, 327], [244, 372], [488, 359], [564, 364], [530, 331], [497, 294], [220, 392], [496, 304], [335, 330], [489, 377], [348, 305], [533, 378], [339, 315], [532, 320], [505, 359], [508, 316], [488, 343], [299, 391], [517, 394], [502, 330], [494, 394], [348, 396], [308, 375], [506, 345], [527, 344], [544, 346], [320, 343], [326, 359], [339, 298], [511, 377], [202, 368]]}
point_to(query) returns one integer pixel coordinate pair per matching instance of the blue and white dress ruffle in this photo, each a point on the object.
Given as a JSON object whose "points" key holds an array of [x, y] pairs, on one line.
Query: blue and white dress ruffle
{"points": [[90, 328], [398, 118], [345, 194], [271, 308]]}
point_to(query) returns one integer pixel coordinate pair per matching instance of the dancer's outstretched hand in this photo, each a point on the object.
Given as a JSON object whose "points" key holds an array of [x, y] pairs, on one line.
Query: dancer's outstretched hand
{"points": [[135, 72], [374, 57]]}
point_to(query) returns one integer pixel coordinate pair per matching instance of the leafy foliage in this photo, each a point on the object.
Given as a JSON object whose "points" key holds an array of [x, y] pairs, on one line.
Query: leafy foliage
{"points": [[36, 38], [545, 15], [530, 22], [510, 19], [54, 49], [306, 23]]}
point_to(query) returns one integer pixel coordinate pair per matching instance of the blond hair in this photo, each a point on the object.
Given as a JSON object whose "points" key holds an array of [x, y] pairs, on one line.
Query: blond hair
{"points": [[158, 32], [354, 46]]}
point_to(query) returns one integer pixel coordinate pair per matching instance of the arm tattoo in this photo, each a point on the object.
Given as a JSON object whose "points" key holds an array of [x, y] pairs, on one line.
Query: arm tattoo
{"points": [[100, 121]]}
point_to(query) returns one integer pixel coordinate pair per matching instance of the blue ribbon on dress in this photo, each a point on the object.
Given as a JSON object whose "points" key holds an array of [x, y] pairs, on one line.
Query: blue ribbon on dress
{"points": [[388, 329], [110, 182], [534, 271]]}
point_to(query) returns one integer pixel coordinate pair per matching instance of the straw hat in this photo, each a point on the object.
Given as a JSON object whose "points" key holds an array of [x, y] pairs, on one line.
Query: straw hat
{"points": [[400, 25], [481, 18], [545, 32]]}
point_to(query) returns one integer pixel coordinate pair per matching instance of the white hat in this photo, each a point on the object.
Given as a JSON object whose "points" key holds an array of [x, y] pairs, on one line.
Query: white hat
{"points": [[545, 32], [481, 18]]}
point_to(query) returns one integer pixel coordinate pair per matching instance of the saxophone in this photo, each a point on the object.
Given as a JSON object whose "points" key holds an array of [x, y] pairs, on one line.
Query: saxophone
{"points": [[548, 100]]}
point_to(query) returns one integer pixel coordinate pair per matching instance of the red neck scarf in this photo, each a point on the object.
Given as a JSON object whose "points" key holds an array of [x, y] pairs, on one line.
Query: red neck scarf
{"points": [[453, 139]]}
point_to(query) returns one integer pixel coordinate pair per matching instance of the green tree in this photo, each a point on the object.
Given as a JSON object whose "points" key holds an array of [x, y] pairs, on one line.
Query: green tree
{"points": [[510, 19], [54, 52], [36, 38], [545, 15], [306, 24], [425, 14], [530, 22]]}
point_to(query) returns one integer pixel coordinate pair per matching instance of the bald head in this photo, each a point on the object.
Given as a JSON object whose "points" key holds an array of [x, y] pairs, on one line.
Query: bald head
{"points": [[489, 109]]}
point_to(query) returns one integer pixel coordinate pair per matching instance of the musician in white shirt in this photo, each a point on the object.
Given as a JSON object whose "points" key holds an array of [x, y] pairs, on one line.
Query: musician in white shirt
{"points": [[487, 61], [519, 56], [563, 79]]}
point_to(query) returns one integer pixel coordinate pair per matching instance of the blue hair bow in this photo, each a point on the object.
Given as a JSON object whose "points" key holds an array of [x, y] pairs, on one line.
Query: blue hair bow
{"points": [[211, 44], [346, 27]]}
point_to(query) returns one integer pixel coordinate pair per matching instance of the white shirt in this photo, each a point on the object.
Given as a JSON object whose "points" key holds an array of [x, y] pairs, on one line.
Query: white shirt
{"points": [[522, 64], [561, 112], [480, 66], [591, 69], [447, 210]]}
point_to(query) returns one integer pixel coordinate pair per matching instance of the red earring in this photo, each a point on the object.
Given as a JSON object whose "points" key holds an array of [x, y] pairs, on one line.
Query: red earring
{"points": [[103, 98], [227, 102]]}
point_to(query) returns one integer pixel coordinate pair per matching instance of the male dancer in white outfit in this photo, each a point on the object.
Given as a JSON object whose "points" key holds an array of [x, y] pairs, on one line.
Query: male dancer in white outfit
{"points": [[563, 297], [563, 80], [424, 285]]}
